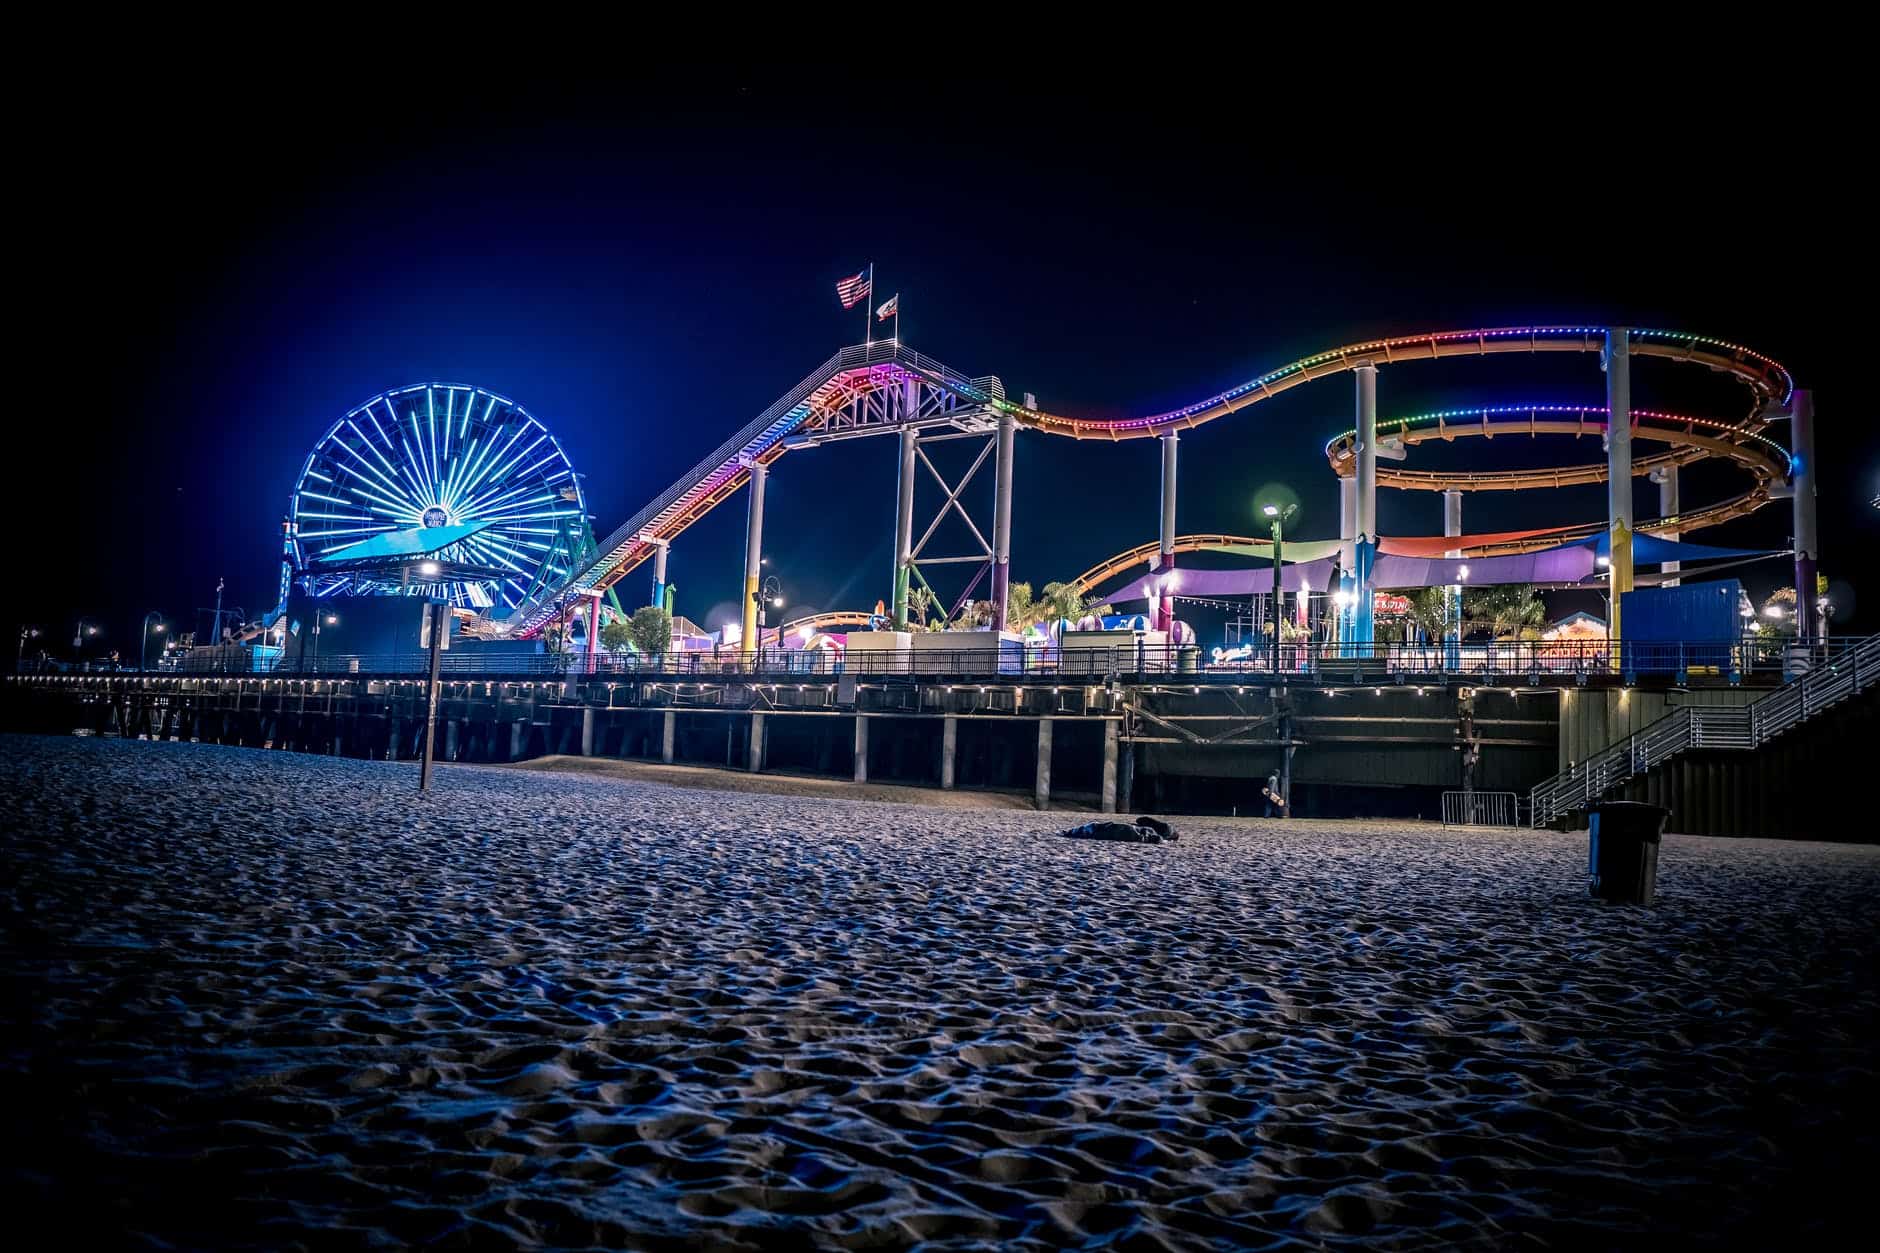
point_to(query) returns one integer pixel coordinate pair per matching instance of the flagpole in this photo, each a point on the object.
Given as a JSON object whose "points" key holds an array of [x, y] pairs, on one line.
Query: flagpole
{"points": [[868, 310]]}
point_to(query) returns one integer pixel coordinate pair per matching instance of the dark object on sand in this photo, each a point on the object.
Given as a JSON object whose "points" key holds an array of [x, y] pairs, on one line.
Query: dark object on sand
{"points": [[1142, 831], [1622, 853], [1156, 825]]}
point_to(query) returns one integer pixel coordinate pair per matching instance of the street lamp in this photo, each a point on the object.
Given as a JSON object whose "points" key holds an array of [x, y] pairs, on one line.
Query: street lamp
{"points": [[143, 642], [1277, 516], [26, 633], [330, 619]]}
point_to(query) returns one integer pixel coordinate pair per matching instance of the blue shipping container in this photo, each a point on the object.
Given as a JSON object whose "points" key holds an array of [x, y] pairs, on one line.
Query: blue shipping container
{"points": [[1703, 614]]}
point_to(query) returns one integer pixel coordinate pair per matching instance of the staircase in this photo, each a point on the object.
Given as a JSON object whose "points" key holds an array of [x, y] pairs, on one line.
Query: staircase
{"points": [[1745, 729]]}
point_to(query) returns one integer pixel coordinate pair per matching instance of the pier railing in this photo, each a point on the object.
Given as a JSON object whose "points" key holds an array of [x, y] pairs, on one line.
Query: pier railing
{"points": [[1839, 674], [1316, 663]]}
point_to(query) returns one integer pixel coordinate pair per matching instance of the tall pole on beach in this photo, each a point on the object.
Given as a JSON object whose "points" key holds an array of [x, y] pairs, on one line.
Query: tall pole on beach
{"points": [[434, 612]]}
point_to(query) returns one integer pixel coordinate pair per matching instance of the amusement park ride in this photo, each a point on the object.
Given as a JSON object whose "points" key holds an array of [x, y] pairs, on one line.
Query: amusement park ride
{"points": [[457, 475]]}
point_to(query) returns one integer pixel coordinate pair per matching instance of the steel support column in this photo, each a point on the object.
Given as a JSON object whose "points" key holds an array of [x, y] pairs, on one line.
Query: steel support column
{"points": [[660, 548], [1347, 553], [1617, 359], [1807, 539], [1165, 561], [753, 559], [1452, 636], [904, 525], [594, 632], [1667, 479], [1366, 511], [1002, 523]]}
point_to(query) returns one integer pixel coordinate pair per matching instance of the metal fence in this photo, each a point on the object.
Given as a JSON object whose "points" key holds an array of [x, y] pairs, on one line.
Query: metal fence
{"points": [[1481, 809]]}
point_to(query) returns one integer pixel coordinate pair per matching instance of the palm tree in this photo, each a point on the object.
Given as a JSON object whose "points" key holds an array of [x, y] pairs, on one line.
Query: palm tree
{"points": [[1021, 610], [919, 606], [1509, 610], [1430, 611]]}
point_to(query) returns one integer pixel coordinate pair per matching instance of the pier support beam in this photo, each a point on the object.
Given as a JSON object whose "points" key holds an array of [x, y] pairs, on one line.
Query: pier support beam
{"points": [[1807, 539], [1002, 523], [757, 744], [1108, 800], [1617, 359], [587, 731], [668, 732], [861, 749], [1667, 479], [1165, 561], [518, 733], [753, 559], [904, 523], [949, 746], [1366, 512], [1041, 789]]}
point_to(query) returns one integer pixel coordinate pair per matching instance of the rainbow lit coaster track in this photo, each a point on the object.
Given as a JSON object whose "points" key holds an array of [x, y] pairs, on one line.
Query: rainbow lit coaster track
{"points": [[886, 387]]}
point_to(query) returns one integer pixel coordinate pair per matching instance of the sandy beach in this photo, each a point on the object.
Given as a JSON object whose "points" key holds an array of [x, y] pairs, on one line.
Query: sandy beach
{"points": [[264, 1000]]}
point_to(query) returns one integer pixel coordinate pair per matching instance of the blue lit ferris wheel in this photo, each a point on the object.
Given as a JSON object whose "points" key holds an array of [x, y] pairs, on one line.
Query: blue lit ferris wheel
{"points": [[443, 460]]}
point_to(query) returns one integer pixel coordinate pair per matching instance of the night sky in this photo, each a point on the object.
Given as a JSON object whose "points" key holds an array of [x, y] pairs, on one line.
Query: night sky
{"points": [[645, 269]]}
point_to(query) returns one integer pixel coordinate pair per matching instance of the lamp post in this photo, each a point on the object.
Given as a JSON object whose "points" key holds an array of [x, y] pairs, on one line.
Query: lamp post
{"points": [[769, 596], [26, 633], [1278, 518], [331, 619], [143, 641]]}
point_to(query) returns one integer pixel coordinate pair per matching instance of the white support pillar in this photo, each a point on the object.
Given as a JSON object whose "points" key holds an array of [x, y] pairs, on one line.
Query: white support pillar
{"points": [[587, 731], [1452, 525], [949, 745], [1617, 359], [660, 549], [1002, 523], [1041, 789], [861, 749], [1165, 559], [668, 732], [1807, 536], [1667, 479], [1108, 800], [753, 559], [1347, 551], [757, 743], [1366, 510]]}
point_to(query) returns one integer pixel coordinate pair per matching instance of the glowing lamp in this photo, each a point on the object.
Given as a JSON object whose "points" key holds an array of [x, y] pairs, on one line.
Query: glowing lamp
{"points": [[1772, 611], [427, 568]]}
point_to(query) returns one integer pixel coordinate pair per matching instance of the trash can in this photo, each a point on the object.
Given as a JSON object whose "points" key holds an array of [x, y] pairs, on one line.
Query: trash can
{"points": [[1622, 852]]}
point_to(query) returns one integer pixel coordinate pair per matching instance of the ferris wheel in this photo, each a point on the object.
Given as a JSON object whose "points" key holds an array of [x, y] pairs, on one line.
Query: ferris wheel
{"points": [[443, 455]]}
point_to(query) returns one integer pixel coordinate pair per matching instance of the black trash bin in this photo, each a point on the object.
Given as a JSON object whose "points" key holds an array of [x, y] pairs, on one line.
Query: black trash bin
{"points": [[1622, 857]]}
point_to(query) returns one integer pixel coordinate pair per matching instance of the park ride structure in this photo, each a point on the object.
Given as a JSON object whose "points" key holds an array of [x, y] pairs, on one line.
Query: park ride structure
{"points": [[445, 491], [886, 388]]}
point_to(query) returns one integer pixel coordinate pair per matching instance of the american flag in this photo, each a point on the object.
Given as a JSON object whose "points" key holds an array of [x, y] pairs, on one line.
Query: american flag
{"points": [[852, 290]]}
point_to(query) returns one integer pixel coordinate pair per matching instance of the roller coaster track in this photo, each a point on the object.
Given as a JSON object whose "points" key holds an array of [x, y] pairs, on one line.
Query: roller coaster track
{"points": [[857, 370]]}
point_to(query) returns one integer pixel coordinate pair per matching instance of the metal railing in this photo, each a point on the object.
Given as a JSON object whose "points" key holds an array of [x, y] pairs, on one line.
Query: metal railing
{"points": [[1481, 809], [1840, 674], [1319, 663]]}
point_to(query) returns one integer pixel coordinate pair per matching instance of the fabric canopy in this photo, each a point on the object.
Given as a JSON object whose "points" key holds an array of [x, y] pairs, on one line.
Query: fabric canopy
{"points": [[1308, 575], [1649, 550], [1568, 564], [1437, 545], [415, 541]]}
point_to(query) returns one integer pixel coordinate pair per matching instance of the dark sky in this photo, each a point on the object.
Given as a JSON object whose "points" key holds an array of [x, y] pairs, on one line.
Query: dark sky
{"points": [[645, 268]]}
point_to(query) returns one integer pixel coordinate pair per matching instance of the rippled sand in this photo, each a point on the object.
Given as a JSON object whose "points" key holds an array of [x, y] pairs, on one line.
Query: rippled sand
{"points": [[282, 1001]]}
